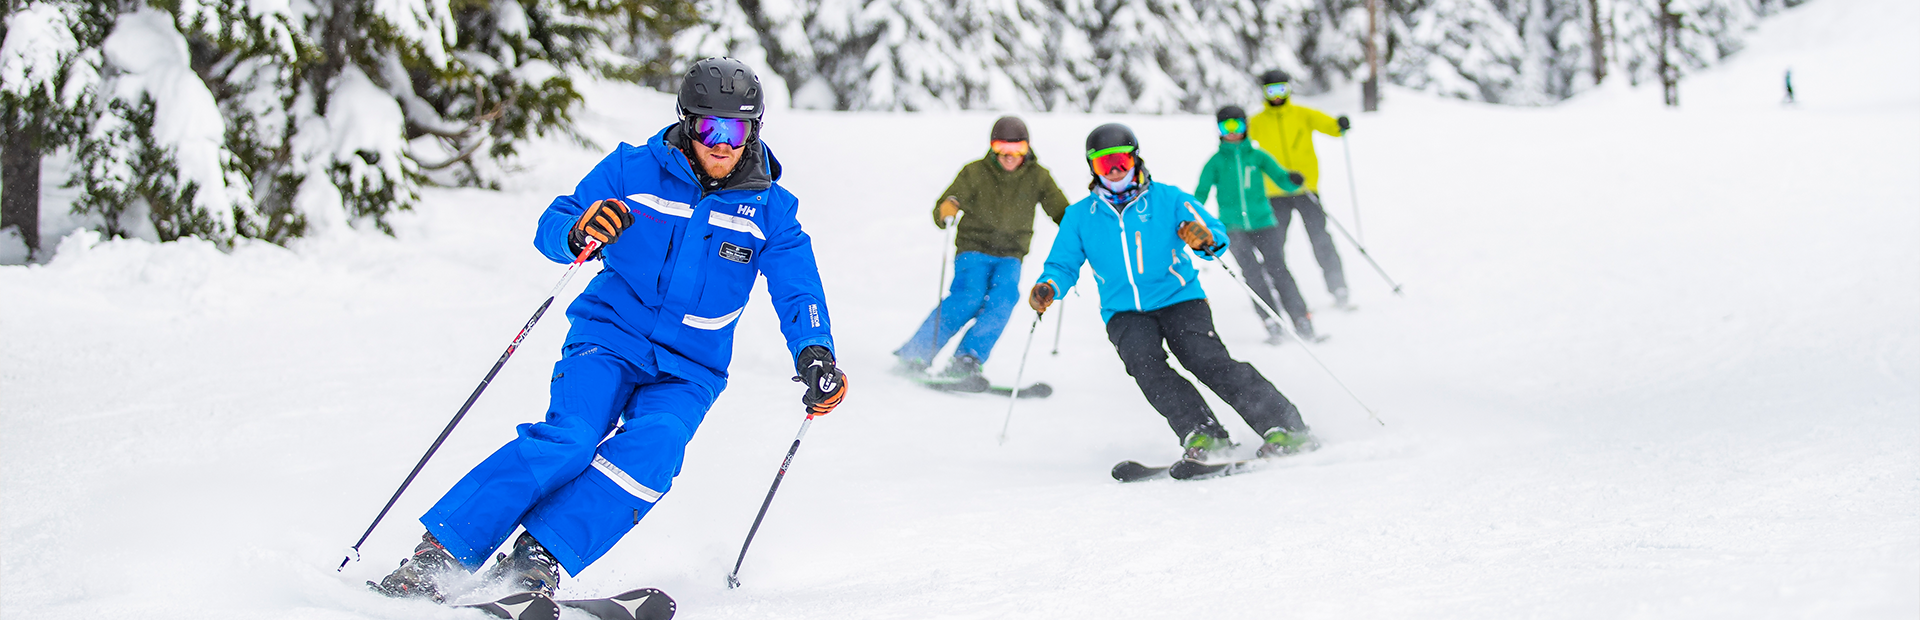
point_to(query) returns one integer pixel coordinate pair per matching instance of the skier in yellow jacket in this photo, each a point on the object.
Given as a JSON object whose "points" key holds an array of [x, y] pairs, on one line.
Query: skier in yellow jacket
{"points": [[1285, 130]]}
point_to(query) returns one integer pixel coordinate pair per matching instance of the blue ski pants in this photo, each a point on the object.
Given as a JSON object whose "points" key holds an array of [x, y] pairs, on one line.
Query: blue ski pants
{"points": [[984, 291], [576, 481]]}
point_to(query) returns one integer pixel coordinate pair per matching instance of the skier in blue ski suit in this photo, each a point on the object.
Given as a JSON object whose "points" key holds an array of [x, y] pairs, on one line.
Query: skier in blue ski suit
{"points": [[1136, 234], [651, 340]]}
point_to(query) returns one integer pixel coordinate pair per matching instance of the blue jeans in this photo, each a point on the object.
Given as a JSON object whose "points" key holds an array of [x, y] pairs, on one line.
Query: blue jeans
{"points": [[575, 488], [984, 290]]}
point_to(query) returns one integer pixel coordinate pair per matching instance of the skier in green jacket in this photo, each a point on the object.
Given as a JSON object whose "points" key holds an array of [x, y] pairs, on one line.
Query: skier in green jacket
{"points": [[1253, 236], [997, 194]]}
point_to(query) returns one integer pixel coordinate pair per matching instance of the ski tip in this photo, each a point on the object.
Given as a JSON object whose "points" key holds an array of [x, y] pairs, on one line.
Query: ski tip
{"points": [[1037, 390], [522, 606]]}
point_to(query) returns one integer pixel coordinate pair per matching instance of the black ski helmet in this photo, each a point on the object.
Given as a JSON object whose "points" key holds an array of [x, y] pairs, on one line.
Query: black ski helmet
{"points": [[1232, 111], [1111, 135], [1275, 76], [721, 87]]}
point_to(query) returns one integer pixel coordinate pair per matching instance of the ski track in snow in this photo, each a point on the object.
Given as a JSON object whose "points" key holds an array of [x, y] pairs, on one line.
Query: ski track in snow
{"points": [[1650, 364]]}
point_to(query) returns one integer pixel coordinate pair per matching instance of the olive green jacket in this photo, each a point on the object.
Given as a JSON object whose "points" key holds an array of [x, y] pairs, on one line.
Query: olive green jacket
{"points": [[1237, 168], [996, 206]]}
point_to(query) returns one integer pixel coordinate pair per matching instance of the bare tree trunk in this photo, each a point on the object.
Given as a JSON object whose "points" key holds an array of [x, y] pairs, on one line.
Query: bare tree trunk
{"points": [[1669, 74], [1598, 43], [1370, 91], [20, 203]]}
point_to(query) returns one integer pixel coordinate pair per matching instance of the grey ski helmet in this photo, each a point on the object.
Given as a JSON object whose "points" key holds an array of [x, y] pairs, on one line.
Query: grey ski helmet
{"points": [[1009, 129], [1232, 111], [721, 87]]}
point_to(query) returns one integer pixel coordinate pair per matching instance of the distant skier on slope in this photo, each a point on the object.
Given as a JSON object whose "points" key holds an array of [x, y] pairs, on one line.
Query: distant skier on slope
{"points": [[651, 341], [1257, 243], [997, 193], [1286, 131], [1134, 232]]}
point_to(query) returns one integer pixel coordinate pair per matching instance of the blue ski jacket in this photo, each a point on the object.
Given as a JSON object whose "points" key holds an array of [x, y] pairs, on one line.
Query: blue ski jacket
{"points": [[1138, 259], [671, 287]]}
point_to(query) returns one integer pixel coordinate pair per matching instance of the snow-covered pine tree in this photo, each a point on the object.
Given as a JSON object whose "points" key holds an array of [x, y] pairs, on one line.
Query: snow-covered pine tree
{"points": [[48, 65]]}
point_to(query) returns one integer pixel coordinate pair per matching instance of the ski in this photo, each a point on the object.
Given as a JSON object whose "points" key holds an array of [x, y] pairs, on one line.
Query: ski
{"points": [[1134, 471], [520, 606], [1196, 470], [979, 385], [641, 604]]}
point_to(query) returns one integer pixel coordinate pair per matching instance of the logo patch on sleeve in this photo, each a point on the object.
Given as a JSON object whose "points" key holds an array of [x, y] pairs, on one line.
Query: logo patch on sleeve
{"points": [[735, 253]]}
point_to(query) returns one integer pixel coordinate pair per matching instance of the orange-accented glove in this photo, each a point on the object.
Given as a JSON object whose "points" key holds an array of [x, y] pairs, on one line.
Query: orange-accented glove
{"points": [[1197, 236], [949, 209], [602, 221], [1041, 297], [826, 385]]}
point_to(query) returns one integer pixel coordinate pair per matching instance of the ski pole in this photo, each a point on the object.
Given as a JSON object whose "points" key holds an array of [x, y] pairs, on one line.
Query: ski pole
{"points": [[733, 578], [1363, 251], [940, 287], [1303, 342], [1018, 376], [592, 244], [1059, 326], [1353, 194]]}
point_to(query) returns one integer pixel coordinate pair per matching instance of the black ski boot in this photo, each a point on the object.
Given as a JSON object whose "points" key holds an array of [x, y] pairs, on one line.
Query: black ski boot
{"points": [[422, 575], [1276, 335], [1303, 327], [530, 569]]}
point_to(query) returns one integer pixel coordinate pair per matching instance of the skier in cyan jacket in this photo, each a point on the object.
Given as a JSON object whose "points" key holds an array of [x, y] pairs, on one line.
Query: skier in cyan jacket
{"points": [[1136, 234], [1258, 243], [686, 223]]}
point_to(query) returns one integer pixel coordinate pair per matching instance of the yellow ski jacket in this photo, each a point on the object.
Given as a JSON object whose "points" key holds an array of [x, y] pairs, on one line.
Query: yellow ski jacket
{"points": [[1286, 132]]}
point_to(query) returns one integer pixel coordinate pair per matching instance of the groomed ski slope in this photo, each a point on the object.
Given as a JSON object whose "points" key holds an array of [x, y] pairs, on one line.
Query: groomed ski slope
{"points": [[1649, 364]]}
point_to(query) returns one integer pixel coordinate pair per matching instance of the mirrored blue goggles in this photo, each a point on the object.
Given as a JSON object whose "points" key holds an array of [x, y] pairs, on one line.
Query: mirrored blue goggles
{"points": [[1232, 126], [1276, 91], [715, 131]]}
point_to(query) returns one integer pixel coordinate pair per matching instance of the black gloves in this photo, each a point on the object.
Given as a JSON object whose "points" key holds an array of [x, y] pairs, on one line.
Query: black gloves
{"points": [[1344, 124], [603, 221], [1296, 177], [826, 385]]}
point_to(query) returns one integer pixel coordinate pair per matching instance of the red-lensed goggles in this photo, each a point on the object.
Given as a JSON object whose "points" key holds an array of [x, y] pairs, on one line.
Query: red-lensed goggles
{"points": [[715, 131], [1107, 160], [1004, 147]]}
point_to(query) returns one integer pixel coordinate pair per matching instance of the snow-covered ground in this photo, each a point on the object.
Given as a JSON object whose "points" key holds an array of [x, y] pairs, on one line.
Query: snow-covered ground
{"points": [[1649, 363]]}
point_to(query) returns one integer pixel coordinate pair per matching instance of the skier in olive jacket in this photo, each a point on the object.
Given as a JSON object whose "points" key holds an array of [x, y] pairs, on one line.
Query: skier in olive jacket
{"points": [[997, 193], [1285, 130], [1254, 239]]}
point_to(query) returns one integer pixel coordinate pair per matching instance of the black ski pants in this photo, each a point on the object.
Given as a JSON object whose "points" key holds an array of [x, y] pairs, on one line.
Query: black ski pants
{"points": [[1314, 218], [1264, 266], [1186, 329]]}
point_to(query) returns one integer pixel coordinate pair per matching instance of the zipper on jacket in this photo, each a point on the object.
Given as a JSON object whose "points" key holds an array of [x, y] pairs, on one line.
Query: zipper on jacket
{"points": [[1125, 258]]}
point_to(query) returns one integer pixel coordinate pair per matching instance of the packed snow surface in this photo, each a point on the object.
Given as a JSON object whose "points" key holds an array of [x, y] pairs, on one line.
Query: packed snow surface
{"points": [[1649, 364]]}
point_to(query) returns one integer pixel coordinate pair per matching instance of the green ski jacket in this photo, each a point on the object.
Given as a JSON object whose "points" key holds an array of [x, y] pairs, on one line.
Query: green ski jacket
{"points": [[1237, 169], [996, 206]]}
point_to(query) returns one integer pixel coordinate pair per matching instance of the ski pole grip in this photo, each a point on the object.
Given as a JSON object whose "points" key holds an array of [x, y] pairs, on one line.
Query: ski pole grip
{"points": [[586, 251]]}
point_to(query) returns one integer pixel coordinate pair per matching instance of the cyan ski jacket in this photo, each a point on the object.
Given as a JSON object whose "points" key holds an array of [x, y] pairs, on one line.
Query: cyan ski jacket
{"points": [[1138, 259], [673, 284]]}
